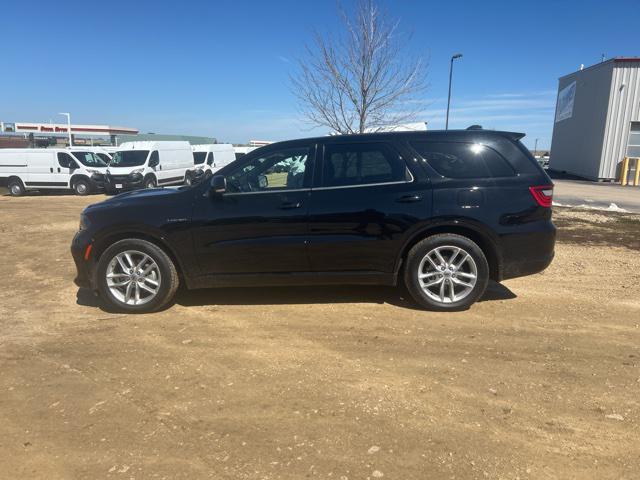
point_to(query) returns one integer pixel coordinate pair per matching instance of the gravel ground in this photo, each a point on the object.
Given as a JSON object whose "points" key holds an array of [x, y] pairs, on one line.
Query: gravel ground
{"points": [[539, 380]]}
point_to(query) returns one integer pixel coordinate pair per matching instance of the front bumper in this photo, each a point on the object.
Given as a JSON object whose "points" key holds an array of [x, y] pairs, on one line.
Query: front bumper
{"points": [[85, 264], [123, 182]]}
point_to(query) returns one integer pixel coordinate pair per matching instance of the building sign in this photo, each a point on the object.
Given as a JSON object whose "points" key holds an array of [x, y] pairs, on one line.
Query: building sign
{"points": [[566, 97]]}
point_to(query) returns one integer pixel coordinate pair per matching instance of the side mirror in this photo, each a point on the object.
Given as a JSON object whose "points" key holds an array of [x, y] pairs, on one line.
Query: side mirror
{"points": [[263, 181], [154, 162], [218, 185]]}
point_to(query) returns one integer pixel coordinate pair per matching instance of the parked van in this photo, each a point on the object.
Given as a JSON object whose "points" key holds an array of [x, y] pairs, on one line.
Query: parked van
{"points": [[149, 164], [79, 169], [242, 151], [209, 158]]}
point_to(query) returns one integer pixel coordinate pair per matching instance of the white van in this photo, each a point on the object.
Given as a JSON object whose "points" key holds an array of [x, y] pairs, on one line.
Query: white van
{"points": [[209, 158], [77, 168], [149, 164]]}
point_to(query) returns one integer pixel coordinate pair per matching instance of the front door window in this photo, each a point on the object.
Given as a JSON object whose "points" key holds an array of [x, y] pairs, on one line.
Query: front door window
{"points": [[280, 170]]}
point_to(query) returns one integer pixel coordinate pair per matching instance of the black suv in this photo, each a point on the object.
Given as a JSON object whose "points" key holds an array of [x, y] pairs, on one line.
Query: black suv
{"points": [[443, 212]]}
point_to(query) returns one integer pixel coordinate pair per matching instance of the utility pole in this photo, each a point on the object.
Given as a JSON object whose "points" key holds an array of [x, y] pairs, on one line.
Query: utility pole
{"points": [[68, 126], [457, 55]]}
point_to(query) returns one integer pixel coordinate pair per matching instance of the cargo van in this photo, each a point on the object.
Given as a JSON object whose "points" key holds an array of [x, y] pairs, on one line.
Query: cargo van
{"points": [[208, 159], [148, 165], [78, 169]]}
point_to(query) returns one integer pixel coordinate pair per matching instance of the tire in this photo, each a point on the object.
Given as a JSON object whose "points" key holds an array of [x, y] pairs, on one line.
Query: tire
{"points": [[150, 182], [429, 292], [15, 187], [162, 273], [81, 187], [187, 180]]}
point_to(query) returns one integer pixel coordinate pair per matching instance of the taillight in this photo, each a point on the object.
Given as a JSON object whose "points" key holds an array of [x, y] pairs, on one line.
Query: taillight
{"points": [[543, 194]]}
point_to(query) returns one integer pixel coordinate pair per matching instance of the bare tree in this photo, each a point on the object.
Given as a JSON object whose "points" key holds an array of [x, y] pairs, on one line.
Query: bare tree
{"points": [[361, 80]]}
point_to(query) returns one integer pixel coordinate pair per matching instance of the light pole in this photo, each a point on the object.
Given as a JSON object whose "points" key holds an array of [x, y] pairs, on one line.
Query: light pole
{"points": [[457, 55], [535, 149], [68, 126]]}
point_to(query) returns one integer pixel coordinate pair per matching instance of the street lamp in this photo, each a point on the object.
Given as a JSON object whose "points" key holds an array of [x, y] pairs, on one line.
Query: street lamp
{"points": [[457, 55], [68, 126]]}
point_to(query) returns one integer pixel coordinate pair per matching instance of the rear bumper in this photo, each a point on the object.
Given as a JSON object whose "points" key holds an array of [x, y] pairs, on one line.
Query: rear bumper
{"points": [[526, 253]]}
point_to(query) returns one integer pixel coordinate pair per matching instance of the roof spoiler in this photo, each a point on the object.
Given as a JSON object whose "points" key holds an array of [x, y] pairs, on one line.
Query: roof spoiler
{"points": [[515, 136]]}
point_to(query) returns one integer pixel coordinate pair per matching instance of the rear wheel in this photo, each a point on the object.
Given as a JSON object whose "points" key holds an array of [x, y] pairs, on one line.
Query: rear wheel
{"points": [[81, 187], [15, 187], [136, 276], [446, 272], [187, 180]]}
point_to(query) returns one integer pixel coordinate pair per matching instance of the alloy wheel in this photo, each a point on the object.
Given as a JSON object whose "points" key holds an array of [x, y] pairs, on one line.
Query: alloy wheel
{"points": [[447, 274], [133, 277]]}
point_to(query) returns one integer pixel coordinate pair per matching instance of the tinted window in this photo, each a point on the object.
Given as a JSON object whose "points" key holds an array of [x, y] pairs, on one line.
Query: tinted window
{"points": [[463, 160], [66, 161], [358, 164], [283, 169], [198, 157], [129, 158]]}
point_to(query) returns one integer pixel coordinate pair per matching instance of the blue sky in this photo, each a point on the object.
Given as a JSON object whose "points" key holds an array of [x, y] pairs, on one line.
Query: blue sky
{"points": [[220, 68]]}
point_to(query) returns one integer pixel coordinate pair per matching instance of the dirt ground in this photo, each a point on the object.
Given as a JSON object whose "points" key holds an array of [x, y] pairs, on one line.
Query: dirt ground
{"points": [[540, 380]]}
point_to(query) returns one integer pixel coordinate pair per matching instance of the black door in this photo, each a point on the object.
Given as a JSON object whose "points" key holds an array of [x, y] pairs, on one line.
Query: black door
{"points": [[259, 225], [366, 203]]}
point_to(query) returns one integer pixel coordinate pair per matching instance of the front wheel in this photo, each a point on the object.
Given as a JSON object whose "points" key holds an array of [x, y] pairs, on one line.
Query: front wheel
{"points": [[150, 182], [446, 272], [81, 187], [136, 276], [187, 180]]}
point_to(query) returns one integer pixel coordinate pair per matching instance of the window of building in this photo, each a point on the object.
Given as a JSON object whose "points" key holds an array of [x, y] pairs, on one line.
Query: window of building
{"points": [[633, 147]]}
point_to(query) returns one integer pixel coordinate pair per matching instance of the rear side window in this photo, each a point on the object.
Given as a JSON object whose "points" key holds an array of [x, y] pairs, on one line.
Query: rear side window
{"points": [[361, 164], [464, 160]]}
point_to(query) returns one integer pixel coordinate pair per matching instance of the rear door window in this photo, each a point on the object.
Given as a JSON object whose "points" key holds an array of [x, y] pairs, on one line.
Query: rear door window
{"points": [[464, 160], [361, 164]]}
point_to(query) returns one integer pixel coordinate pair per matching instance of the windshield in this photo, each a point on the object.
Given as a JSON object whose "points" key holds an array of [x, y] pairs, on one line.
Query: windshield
{"points": [[89, 159], [105, 158], [129, 158], [198, 157]]}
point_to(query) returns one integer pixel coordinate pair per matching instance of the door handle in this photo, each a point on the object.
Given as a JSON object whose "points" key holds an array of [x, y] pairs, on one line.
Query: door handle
{"points": [[409, 199], [51, 169], [290, 205], [58, 169]]}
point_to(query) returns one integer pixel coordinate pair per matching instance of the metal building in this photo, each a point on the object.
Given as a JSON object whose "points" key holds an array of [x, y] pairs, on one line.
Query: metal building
{"points": [[597, 121]]}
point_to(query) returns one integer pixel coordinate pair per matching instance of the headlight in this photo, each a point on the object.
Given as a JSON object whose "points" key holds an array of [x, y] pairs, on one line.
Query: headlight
{"points": [[137, 170], [91, 170], [84, 222]]}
